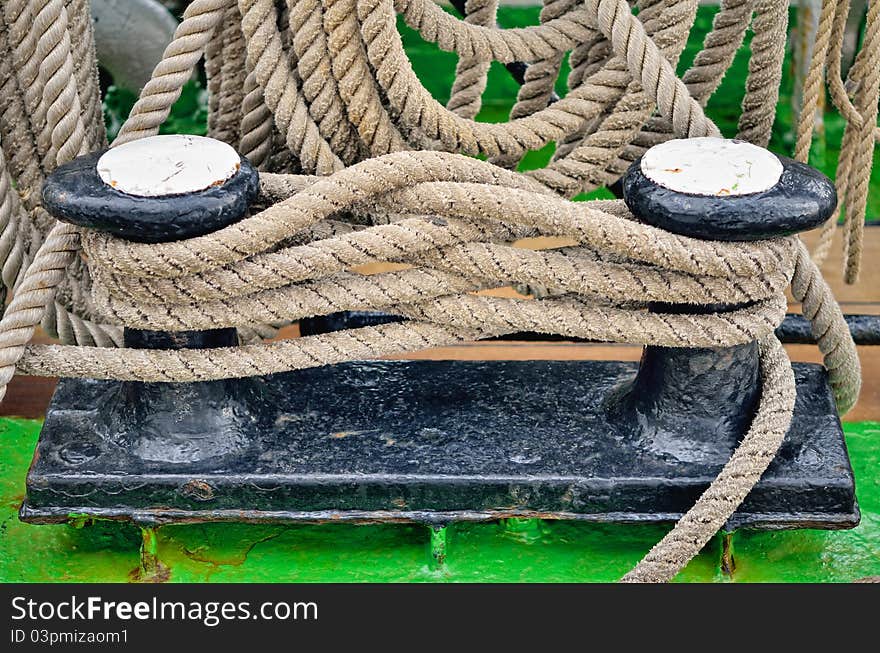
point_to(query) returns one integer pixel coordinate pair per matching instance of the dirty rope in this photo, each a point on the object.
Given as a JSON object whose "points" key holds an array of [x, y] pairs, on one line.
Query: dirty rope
{"points": [[361, 165]]}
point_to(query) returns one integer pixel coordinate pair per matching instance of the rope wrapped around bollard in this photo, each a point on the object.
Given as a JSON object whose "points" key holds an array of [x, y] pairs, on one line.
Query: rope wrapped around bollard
{"points": [[448, 217]]}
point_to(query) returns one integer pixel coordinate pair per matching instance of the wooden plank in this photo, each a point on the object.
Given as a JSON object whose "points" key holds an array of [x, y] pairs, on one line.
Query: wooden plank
{"points": [[864, 293], [27, 396]]}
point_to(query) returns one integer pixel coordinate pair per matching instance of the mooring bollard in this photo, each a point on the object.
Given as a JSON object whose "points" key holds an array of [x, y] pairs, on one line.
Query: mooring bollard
{"points": [[714, 189], [155, 190], [437, 441]]}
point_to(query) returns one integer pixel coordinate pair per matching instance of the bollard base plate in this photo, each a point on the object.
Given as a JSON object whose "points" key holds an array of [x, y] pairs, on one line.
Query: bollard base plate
{"points": [[434, 442]]}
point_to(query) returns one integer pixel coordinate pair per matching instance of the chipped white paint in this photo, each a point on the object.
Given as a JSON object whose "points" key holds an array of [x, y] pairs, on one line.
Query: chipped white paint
{"points": [[711, 166], [168, 165]]}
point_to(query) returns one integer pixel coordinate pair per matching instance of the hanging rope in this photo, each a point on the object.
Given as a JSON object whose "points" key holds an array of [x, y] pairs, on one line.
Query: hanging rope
{"points": [[861, 132]]}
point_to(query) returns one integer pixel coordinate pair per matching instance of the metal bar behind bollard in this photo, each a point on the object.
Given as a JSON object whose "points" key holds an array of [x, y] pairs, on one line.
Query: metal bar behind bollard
{"points": [[156, 190]]}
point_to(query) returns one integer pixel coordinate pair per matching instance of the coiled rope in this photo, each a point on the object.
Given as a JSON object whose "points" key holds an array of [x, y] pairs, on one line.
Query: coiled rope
{"points": [[315, 86]]}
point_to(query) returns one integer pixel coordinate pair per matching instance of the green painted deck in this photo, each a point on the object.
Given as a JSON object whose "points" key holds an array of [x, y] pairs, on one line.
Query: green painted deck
{"points": [[525, 551]]}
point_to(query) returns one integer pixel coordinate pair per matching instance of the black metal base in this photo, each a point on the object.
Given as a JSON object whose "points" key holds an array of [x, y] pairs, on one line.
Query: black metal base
{"points": [[433, 442]]}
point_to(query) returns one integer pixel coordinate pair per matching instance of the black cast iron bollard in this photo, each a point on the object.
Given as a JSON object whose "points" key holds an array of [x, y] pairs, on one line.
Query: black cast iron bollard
{"points": [[157, 190], [432, 441], [713, 189]]}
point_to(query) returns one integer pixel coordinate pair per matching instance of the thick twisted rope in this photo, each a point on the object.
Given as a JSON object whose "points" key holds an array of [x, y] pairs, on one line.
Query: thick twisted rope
{"points": [[32, 298], [414, 118], [457, 198], [840, 98], [12, 215], [866, 99], [701, 79], [861, 133], [657, 77], [281, 93], [617, 268], [471, 198], [813, 83], [227, 77], [320, 88], [82, 38], [357, 84], [829, 23], [765, 71], [585, 166], [739, 475], [539, 79], [200, 20], [56, 118], [316, 85], [471, 73]]}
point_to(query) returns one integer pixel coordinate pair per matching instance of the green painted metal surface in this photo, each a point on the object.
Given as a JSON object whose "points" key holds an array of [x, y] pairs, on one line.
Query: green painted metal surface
{"points": [[508, 551]]}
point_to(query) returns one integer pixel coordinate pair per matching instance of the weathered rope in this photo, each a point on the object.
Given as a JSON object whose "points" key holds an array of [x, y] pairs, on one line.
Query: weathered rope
{"points": [[813, 82], [867, 96], [51, 113], [320, 89], [229, 87], [770, 28], [539, 79], [471, 73], [739, 475], [586, 166], [701, 79], [826, 50], [861, 133], [314, 86], [618, 267], [201, 19]]}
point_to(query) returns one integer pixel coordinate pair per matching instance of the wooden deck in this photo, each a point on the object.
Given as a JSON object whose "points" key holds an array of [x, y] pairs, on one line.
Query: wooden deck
{"points": [[29, 397]]}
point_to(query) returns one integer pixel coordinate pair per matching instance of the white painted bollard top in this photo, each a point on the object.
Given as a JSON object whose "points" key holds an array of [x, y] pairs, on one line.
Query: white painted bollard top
{"points": [[711, 166], [168, 165]]}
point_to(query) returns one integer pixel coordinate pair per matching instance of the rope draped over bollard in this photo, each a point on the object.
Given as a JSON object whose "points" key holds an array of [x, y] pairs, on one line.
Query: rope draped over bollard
{"points": [[338, 67], [619, 266]]}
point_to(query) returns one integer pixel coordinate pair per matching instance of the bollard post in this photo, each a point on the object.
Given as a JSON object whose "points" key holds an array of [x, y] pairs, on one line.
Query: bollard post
{"points": [[437, 441], [686, 399], [154, 190]]}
